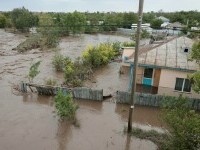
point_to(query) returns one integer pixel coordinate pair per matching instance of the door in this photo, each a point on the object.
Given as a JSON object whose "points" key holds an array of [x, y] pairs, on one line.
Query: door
{"points": [[148, 76]]}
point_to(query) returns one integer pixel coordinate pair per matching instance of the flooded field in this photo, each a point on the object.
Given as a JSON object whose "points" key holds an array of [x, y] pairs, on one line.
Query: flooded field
{"points": [[29, 121]]}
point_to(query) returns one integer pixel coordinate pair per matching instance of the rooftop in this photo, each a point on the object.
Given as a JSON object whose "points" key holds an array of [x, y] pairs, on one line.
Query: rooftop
{"points": [[173, 53]]}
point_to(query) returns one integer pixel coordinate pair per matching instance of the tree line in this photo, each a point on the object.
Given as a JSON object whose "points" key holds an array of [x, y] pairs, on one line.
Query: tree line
{"points": [[86, 22]]}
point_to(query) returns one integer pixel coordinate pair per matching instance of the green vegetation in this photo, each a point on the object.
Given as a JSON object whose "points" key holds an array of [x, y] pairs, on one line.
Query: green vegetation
{"points": [[195, 77], [195, 53], [183, 127], [195, 81], [96, 56], [31, 42], [128, 44], [2, 21], [65, 106], [37, 41], [58, 62], [156, 23], [183, 124], [33, 71], [160, 139], [51, 82], [23, 19], [81, 69]]}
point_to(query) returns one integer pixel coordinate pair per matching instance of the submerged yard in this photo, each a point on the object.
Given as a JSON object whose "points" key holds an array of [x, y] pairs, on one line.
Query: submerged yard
{"points": [[29, 121]]}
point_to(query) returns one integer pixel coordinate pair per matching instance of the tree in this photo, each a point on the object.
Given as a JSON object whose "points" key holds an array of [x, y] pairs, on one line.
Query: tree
{"points": [[156, 23], [2, 21], [23, 19], [33, 71], [183, 124], [195, 53], [195, 81], [195, 77]]}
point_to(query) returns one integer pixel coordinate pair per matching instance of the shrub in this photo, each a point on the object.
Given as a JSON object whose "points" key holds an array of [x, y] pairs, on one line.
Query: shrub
{"points": [[99, 55], [33, 71], [58, 62], [51, 40], [128, 44], [2, 21], [65, 106], [32, 42], [183, 124], [51, 82]]}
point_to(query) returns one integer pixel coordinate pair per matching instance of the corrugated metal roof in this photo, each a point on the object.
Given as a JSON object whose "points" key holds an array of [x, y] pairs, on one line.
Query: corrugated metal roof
{"points": [[170, 54]]}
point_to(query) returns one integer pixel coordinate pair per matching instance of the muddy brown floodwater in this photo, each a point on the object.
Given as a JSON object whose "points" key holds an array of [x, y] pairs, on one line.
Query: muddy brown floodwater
{"points": [[29, 121]]}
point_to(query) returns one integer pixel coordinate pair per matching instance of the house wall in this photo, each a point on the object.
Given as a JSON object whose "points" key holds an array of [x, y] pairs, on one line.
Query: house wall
{"points": [[168, 81], [156, 78], [126, 70]]}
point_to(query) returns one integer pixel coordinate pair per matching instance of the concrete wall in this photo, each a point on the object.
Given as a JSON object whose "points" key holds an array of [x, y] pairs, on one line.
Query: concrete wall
{"points": [[168, 81]]}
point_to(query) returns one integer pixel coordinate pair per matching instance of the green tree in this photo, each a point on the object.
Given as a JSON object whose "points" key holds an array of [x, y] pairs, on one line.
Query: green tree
{"points": [[156, 23], [195, 81], [195, 77], [183, 124], [195, 52], [23, 19], [33, 71], [2, 21]]}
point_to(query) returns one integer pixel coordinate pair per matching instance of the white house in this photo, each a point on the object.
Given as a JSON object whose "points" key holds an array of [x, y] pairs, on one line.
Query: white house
{"points": [[145, 26], [164, 19]]}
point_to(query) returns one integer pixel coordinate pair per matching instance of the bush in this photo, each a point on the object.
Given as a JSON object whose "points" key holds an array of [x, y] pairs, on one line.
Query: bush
{"points": [[65, 106], [51, 40], [99, 55], [183, 124], [33, 71], [32, 42], [37, 41], [51, 82], [23, 19], [58, 62], [2, 21], [128, 44]]}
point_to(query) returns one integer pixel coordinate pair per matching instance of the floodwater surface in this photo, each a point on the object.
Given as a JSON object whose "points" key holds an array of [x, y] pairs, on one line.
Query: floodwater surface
{"points": [[29, 121]]}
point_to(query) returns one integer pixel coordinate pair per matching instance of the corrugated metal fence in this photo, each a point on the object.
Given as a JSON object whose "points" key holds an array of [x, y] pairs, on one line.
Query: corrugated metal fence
{"points": [[151, 100], [79, 93]]}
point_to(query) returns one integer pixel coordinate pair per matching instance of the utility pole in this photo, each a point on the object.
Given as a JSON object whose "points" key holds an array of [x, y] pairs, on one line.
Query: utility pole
{"points": [[133, 87]]}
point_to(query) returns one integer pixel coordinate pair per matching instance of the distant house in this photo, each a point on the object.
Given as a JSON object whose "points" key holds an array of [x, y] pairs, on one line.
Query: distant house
{"points": [[145, 26], [195, 28], [165, 24], [164, 20], [175, 26], [164, 66]]}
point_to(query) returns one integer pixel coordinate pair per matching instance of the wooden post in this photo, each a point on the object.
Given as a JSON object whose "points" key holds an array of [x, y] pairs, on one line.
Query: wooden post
{"points": [[133, 88]]}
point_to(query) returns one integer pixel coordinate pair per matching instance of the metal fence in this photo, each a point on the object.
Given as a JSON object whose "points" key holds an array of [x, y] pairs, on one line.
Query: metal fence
{"points": [[79, 93], [151, 100]]}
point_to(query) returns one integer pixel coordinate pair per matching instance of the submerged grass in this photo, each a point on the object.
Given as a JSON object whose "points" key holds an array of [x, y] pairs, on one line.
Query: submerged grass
{"points": [[160, 139]]}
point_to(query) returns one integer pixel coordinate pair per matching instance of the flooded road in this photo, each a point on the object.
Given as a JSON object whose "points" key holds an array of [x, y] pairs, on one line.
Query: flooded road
{"points": [[29, 121]]}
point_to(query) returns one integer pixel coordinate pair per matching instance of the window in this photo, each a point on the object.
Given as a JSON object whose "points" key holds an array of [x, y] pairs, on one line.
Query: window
{"points": [[183, 85], [148, 72], [186, 50]]}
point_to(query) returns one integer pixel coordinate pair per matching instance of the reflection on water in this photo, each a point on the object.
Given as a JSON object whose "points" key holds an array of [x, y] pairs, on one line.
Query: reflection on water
{"points": [[141, 114], [38, 99], [128, 141], [63, 134]]}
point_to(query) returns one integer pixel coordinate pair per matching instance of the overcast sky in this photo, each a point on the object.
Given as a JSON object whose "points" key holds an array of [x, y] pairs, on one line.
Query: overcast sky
{"points": [[100, 5]]}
